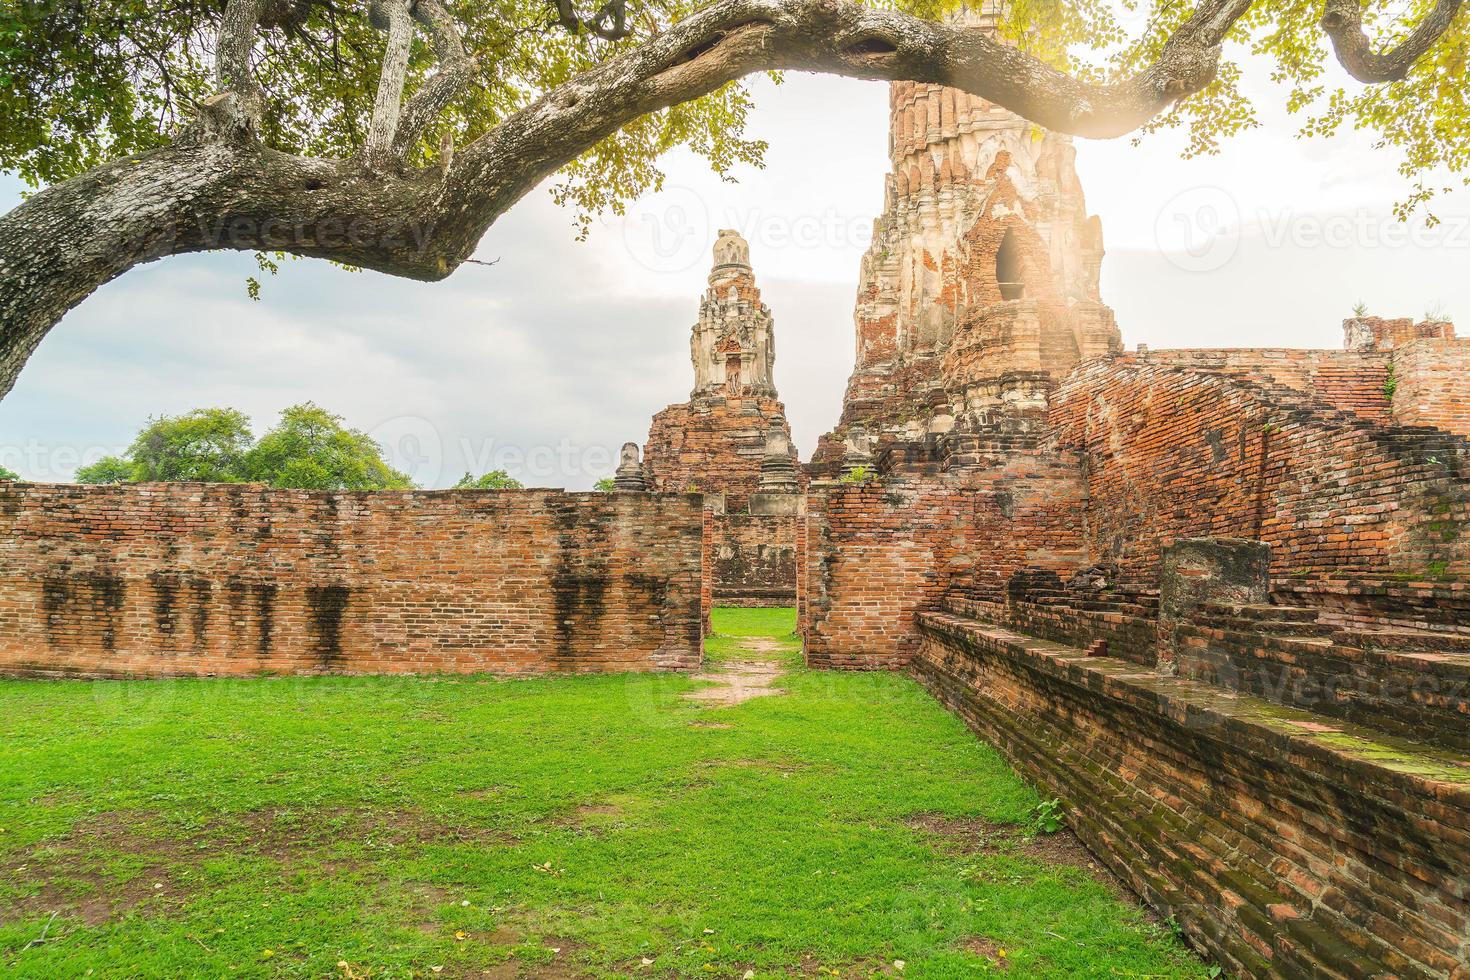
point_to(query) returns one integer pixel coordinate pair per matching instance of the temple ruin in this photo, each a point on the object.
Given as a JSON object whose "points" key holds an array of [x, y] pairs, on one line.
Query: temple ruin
{"points": [[1217, 601]]}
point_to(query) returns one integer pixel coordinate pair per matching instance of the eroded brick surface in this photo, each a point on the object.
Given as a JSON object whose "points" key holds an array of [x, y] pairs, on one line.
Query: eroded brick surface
{"points": [[190, 579]]}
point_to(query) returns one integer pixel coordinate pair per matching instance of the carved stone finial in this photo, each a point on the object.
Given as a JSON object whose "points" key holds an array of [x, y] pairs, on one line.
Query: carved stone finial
{"points": [[630, 472], [730, 251]]}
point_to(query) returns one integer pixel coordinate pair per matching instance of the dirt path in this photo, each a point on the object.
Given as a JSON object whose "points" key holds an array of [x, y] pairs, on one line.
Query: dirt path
{"points": [[738, 681]]}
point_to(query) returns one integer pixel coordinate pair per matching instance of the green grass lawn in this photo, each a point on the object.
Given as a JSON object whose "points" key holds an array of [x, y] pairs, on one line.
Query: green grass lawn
{"points": [[591, 826]]}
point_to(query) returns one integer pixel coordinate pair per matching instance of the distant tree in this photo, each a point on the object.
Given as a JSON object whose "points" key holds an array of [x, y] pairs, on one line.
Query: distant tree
{"points": [[311, 449], [494, 480], [8, 474], [207, 444], [108, 469], [605, 485]]}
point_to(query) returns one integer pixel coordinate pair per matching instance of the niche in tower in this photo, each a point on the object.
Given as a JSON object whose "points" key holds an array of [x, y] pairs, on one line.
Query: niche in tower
{"points": [[1008, 267], [732, 373]]}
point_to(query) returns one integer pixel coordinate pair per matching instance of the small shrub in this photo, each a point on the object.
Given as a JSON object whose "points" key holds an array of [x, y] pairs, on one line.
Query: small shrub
{"points": [[1049, 816], [858, 474], [494, 480], [1360, 309]]}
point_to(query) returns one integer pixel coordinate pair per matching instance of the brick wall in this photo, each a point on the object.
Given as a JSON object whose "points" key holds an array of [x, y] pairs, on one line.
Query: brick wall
{"points": [[1185, 453], [1350, 381], [1280, 845], [878, 553], [192, 579], [711, 446], [754, 560], [1432, 384]]}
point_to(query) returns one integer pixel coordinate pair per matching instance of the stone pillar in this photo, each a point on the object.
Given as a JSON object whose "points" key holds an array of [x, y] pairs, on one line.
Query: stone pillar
{"points": [[630, 472], [1193, 571], [778, 470]]}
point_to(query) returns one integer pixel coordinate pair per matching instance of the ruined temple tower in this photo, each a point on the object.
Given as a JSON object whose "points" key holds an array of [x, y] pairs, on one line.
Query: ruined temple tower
{"points": [[980, 288], [719, 440]]}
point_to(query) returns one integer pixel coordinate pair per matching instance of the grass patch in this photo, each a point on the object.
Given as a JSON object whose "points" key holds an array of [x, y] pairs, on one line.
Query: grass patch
{"points": [[753, 634], [547, 828]]}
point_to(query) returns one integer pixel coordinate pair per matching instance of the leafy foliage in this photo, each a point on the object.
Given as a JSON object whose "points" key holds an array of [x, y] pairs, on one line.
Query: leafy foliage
{"points": [[1049, 816], [7, 474], [605, 485], [1424, 119], [311, 449], [207, 444], [858, 474], [494, 480], [87, 82], [108, 469]]}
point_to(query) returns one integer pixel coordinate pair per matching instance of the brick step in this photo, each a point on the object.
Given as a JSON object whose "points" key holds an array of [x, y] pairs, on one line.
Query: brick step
{"points": [[1263, 627], [1419, 694], [1095, 606], [1404, 638], [1263, 613], [1374, 826]]}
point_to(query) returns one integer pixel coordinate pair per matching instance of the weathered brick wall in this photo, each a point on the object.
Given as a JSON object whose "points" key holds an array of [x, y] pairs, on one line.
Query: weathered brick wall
{"points": [[1281, 845], [192, 579], [1432, 384], [712, 446], [754, 560], [1350, 381], [1375, 603], [1183, 453], [878, 553]]}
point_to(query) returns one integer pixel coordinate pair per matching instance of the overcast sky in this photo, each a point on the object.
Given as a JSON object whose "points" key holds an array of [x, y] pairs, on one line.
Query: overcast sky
{"points": [[546, 362]]}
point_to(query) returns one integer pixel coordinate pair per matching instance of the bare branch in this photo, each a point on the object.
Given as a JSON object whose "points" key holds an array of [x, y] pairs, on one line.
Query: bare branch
{"points": [[733, 38], [610, 22], [232, 63], [388, 104], [456, 70], [1343, 22]]}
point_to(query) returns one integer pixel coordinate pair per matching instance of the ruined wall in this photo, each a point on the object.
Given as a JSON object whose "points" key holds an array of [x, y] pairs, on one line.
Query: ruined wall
{"points": [[711, 446], [878, 553], [1431, 384], [1350, 381], [754, 560], [190, 579], [1281, 845], [1185, 453]]}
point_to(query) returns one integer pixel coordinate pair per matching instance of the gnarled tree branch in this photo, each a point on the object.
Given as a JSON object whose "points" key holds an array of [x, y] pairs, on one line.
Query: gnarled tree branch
{"points": [[456, 70], [213, 189], [238, 104], [394, 17], [609, 22], [1342, 20]]}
